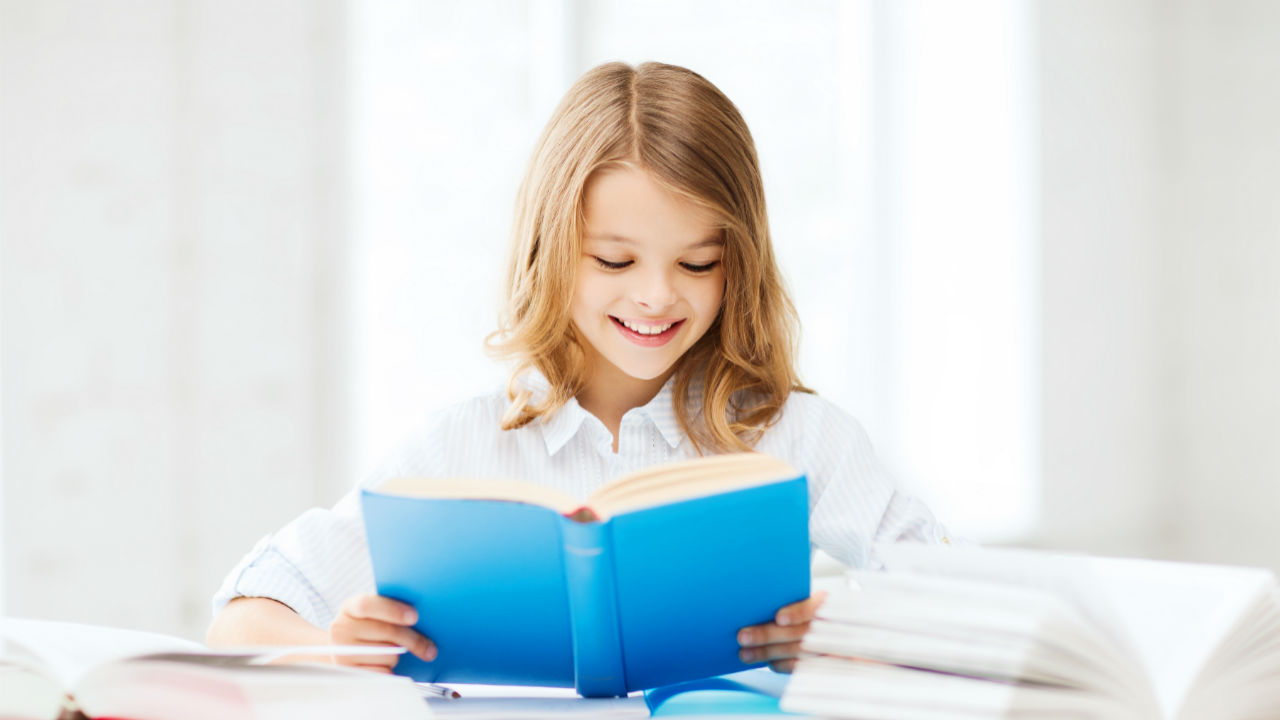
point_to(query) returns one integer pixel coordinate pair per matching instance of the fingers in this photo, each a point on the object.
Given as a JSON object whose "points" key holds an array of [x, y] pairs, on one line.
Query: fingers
{"points": [[770, 634], [770, 653], [376, 620], [377, 632], [376, 663], [376, 607], [778, 646], [789, 624], [801, 612], [784, 666], [778, 642]]}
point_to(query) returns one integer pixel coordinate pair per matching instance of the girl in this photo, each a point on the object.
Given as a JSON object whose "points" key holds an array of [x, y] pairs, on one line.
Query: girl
{"points": [[647, 322]]}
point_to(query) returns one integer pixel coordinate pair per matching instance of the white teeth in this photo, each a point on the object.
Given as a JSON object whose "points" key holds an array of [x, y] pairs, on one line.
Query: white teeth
{"points": [[646, 329]]}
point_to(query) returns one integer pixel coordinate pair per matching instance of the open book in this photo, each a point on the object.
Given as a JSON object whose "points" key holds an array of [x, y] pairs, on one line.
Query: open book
{"points": [[952, 632], [747, 694], [54, 669], [644, 584]]}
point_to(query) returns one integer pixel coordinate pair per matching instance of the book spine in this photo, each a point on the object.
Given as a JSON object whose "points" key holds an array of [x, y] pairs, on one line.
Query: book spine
{"points": [[593, 609]]}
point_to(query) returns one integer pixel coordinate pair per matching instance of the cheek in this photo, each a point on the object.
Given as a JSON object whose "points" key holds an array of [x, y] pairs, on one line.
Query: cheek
{"points": [[579, 308], [708, 297], [589, 297]]}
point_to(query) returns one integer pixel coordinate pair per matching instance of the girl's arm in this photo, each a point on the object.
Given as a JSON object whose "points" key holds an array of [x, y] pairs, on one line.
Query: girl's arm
{"points": [[262, 621], [363, 620]]}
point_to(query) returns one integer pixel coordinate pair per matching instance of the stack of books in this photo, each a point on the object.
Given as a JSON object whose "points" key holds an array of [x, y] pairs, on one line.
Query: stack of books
{"points": [[952, 632]]}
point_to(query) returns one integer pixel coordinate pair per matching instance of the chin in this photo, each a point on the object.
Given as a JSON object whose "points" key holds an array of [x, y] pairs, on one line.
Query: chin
{"points": [[645, 373]]}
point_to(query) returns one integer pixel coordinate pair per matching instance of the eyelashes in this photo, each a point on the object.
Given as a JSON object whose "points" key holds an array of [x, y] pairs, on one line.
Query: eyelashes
{"points": [[691, 267], [611, 265], [708, 267]]}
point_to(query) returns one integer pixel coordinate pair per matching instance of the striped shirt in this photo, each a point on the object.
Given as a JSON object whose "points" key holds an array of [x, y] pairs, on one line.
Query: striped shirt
{"points": [[319, 559]]}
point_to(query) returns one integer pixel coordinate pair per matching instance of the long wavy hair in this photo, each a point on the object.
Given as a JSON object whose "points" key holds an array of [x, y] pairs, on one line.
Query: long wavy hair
{"points": [[678, 127]]}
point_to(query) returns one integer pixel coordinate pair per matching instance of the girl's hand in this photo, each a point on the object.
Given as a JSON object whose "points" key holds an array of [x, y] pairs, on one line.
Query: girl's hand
{"points": [[376, 620], [778, 642]]}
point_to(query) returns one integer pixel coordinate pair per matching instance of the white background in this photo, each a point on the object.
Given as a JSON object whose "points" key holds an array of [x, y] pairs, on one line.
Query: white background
{"points": [[245, 246]]}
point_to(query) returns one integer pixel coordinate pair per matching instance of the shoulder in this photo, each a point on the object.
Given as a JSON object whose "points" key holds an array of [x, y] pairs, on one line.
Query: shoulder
{"points": [[474, 423], [466, 428], [820, 437], [478, 412], [813, 416]]}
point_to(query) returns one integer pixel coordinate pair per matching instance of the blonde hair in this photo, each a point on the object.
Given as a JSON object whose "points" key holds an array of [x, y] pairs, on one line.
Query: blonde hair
{"points": [[677, 126]]}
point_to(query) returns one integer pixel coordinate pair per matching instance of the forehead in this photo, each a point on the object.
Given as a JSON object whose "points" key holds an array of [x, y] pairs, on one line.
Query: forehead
{"points": [[626, 203]]}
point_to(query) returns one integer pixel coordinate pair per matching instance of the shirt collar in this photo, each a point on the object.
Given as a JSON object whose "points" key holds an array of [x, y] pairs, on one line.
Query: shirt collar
{"points": [[661, 411], [563, 424]]}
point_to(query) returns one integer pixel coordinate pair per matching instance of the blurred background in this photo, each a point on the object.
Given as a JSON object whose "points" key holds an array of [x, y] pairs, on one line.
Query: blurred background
{"points": [[246, 246]]}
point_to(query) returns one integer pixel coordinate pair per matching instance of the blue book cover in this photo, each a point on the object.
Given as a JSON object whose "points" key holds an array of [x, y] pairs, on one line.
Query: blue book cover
{"points": [[645, 585]]}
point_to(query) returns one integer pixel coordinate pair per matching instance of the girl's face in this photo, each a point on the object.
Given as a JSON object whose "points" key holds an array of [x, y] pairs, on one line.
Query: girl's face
{"points": [[650, 280]]}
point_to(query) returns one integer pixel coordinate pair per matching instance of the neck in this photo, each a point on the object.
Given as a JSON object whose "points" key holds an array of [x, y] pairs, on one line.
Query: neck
{"points": [[610, 393]]}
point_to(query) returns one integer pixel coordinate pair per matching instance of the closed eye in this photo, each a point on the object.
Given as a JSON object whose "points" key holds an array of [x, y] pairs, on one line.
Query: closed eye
{"points": [[612, 265], [700, 268]]}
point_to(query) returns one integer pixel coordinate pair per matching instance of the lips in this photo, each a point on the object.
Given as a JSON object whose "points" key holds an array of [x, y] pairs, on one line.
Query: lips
{"points": [[647, 334]]}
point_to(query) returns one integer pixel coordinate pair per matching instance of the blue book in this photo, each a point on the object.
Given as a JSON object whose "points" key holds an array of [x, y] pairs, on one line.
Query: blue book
{"points": [[751, 692], [645, 584]]}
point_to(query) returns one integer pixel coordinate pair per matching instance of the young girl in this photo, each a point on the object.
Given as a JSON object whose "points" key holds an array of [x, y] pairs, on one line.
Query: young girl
{"points": [[647, 322]]}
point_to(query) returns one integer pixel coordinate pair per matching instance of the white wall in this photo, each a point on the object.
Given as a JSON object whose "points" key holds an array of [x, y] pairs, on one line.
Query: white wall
{"points": [[185, 267], [442, 117], [171, 213], [1101, 79], [1161, 141], [956, 221], [1220, 292]]}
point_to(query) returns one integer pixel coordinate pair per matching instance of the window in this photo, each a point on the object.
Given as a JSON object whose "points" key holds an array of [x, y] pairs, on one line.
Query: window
{"points": [[896, 144]]}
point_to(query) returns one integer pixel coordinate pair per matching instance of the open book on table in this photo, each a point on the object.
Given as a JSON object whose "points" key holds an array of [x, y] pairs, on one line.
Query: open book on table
{"points": [[54, 669], [645, 583], [749, 693], [951, 632]]}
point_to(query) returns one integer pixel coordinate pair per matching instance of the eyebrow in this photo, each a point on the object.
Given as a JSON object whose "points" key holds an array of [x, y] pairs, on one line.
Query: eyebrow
{"points": [[716, 241]]}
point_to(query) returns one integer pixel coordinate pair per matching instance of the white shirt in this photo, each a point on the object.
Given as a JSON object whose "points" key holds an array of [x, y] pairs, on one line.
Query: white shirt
{"points": [[319, 559]]}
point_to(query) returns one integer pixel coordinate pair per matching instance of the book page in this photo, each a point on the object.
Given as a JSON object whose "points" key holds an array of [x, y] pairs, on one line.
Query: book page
{"points": [[1169, 617], [154, 687], [658, 485], [67, 651], [512, 702], [970, 627], [1070, 577], [836, 688], [699, 477], [1177, 614], [26, 692]]}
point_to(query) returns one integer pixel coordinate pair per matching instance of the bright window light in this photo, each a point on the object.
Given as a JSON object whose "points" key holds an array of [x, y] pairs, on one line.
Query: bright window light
{"points": [[960, 224]]}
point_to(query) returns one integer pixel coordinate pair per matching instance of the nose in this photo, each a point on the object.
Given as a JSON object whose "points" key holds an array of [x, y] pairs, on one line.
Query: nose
{"points": [[655, 290]]}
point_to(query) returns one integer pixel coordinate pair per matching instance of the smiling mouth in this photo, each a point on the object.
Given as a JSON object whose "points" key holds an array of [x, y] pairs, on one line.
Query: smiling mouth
{"points": [[645, 334], [645, 329]]}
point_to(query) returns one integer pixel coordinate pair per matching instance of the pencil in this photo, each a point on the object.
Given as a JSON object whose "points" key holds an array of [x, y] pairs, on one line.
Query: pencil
{"points": [[434, 690]]}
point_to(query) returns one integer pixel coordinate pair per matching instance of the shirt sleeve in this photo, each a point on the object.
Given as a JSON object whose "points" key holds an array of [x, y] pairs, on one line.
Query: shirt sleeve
{"points": [[854, 504], [321, 558], [312, 564]]}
